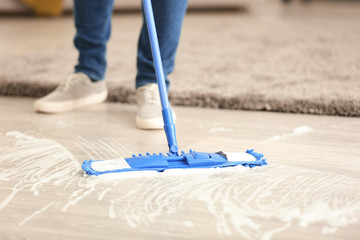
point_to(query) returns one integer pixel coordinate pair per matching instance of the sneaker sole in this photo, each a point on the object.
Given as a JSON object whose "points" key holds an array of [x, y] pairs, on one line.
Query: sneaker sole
{"points": [[147, 124], [65, 106], [152, 123]]}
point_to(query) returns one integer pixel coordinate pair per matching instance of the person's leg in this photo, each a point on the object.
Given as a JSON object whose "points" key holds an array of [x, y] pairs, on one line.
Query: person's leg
{"points": [[84, 87], [169, 15], [93, 27]]}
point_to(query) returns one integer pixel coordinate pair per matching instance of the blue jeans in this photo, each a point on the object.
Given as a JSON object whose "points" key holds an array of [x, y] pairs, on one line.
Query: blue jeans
{"points": [[93, 28]]}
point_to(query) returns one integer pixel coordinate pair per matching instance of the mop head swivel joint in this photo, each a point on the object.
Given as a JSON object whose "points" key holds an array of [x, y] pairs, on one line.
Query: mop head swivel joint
{"points": [[161, 162]]}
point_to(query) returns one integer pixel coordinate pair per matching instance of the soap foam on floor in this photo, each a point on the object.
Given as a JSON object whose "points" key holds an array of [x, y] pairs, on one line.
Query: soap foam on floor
{"points": [[296, 132], [240, 200]]}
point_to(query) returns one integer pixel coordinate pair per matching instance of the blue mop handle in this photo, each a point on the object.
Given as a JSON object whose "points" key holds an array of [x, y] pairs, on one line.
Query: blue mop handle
{"points": [[169, 126]]}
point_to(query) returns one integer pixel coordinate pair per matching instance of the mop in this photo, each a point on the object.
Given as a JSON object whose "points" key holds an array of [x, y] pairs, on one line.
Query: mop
{"points": [[173, 159]]}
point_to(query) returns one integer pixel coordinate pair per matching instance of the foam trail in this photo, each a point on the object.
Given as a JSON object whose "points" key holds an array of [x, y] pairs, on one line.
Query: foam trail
{"points": [[296, 132], [122, 150], [219, 129], [25, 220], [35, 162], [102, 148], [107, 149], [112, 213], [103, 193], [88, 143], [77, 196], [84, 150], [241, 201], [297, 196]]}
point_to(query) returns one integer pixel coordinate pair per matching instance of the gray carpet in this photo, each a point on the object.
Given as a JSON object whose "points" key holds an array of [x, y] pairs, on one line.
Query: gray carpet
{"points": [[289, 64]]}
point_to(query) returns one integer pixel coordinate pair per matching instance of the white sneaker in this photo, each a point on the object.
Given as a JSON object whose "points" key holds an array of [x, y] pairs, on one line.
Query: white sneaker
{"points": [[149, 113], [77, 91]]}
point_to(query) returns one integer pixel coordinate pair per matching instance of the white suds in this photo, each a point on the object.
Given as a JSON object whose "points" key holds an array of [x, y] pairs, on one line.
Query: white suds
{"points": [[61, 124], [103, 193], [297, 131], [241, 201], [112, 213], [188, 224], [100, 149], [214, 128], [219, 129], [237, 200], [36, 162], [25, 220]]}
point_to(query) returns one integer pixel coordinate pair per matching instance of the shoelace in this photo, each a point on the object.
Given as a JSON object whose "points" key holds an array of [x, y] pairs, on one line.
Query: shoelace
{"points": [[151, 96], [67, 83]]}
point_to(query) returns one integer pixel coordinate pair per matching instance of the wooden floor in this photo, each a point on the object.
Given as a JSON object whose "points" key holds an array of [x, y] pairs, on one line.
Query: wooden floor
{"points": [[309, 190]]}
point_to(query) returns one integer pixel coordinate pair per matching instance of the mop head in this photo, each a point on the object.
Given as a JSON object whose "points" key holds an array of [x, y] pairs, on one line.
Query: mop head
{"points": [[161, 162]]}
